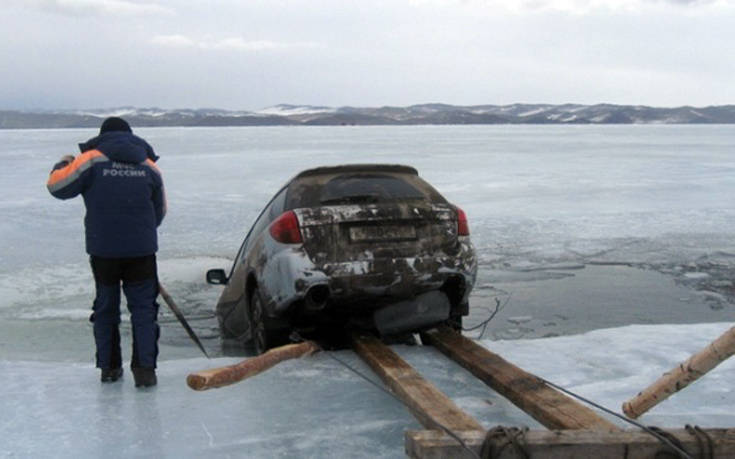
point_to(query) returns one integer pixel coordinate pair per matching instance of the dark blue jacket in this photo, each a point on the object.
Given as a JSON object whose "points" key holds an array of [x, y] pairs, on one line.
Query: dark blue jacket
{"points": [[123, 193]]}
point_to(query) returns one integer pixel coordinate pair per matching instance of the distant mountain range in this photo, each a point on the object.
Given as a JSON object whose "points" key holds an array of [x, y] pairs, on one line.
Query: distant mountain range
{"points": [[285, 115]]}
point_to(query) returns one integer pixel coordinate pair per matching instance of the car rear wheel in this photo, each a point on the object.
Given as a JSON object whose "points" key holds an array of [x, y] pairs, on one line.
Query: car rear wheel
{"points": [[224, 332], [455, 317], [455, 322], [264, 336]]}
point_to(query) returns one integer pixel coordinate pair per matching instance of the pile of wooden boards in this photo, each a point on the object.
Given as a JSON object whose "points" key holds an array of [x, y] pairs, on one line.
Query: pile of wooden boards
{"points": [[575, 431]]}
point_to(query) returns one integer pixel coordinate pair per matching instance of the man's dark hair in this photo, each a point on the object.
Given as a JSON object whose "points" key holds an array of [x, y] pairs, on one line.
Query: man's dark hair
{"points": [[114, 123]]}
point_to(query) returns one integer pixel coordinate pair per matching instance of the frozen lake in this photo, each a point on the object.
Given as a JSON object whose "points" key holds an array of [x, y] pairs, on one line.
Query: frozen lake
{"points": [[578, 228], [558, 215], [316, 408]]}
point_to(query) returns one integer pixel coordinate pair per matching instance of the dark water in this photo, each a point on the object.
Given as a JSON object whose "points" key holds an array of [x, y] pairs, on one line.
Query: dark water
{"points": [[553, 302]]}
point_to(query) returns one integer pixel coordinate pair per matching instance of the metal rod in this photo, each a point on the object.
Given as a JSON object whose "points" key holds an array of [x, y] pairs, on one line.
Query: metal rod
{"points": [[177, 312]]}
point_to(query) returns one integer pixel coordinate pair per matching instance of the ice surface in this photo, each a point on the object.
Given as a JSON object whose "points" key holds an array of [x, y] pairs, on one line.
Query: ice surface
{"points": [[532, 193], [576, 228], [315, 407]]}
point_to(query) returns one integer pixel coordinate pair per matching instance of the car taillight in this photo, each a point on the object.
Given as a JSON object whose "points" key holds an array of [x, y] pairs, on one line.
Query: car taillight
{"points": [[285, 229], [463, 228]]}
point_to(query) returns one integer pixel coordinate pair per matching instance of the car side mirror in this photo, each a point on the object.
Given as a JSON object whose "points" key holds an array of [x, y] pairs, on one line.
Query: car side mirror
{"points": [[216, 277]]}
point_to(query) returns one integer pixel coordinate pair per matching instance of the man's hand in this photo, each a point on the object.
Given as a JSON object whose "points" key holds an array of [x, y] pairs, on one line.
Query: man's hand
{"points": [[68, 158]]}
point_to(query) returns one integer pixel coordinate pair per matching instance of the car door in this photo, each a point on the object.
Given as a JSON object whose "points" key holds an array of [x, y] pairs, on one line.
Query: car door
{"points": [[232, 306]]}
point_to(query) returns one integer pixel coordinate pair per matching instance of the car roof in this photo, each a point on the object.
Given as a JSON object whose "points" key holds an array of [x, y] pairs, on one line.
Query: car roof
{"points": [[305, 188], [353, 168]]}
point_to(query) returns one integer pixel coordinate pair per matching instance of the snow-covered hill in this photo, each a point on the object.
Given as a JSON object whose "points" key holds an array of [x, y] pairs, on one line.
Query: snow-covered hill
{"points": [[286, 114]]}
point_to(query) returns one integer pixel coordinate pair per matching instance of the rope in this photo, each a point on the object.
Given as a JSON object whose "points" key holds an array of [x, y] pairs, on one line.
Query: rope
{"points": [[680, 451], [446, 429], [700, 434], [700, 443], [664, 453], [498, 307], [516, 437], [512, 436], [297, 338]]}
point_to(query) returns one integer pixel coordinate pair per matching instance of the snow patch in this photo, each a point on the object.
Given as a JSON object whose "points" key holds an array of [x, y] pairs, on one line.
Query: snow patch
{"points": [[66, 314], [532, 112], [291, 110]]}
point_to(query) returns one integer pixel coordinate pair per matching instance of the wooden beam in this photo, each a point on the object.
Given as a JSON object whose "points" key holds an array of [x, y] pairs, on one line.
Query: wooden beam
{"points": [[431, 407], [528, 392], [562, 444]]}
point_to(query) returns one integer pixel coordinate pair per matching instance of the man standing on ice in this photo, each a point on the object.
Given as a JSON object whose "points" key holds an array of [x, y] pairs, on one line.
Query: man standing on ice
{"points": [[117, 176]]}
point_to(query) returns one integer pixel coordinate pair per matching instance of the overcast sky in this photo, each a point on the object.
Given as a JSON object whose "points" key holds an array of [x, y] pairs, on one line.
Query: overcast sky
{"points": [[252, 54]]}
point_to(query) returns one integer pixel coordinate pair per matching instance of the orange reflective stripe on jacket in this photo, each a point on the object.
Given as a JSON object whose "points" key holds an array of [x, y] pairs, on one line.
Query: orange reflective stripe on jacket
{"points": [[59, 178]]}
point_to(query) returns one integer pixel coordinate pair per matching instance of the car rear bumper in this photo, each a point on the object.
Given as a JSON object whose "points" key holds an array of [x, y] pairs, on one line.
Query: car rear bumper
{"points": [[397, 278], [367, 284]]}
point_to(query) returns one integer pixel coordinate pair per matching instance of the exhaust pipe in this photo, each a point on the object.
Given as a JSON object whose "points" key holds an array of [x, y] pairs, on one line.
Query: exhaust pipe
{"points": [[316, 298]]}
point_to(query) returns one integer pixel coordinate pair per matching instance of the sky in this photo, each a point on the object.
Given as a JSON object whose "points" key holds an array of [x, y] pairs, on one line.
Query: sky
{"points": [[248, 55]]}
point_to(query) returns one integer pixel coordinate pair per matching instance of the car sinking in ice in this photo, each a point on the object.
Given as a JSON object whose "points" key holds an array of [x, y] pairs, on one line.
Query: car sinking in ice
{"points": [[364, 246]]}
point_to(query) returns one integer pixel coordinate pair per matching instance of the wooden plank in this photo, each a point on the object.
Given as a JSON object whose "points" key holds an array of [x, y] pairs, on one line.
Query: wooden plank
{"points": [[564, 444], [528, 392], [431, 407]]}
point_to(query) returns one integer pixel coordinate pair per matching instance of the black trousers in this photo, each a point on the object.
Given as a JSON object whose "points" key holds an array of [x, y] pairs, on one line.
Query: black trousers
{"points": [[139, 279]]}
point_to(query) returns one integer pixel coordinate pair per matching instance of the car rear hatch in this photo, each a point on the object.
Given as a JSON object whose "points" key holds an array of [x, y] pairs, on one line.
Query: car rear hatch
{"points": [[352, 233], [367, 217]]}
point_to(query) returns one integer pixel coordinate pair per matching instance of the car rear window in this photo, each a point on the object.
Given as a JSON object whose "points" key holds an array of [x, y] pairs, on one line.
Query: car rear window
{"points": [[358, 188], [367, 189]]}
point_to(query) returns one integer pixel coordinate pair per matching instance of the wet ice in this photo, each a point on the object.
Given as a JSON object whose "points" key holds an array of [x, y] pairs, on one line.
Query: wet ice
{"points": [[577, 228], [315, 407]]}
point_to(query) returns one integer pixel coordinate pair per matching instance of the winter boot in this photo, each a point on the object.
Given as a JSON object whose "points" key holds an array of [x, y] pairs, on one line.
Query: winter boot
{"points": [[111, 374], [144, 377]]}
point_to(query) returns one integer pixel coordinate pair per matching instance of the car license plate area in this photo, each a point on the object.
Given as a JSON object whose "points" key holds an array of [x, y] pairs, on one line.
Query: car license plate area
{"points": [[376, 233]]}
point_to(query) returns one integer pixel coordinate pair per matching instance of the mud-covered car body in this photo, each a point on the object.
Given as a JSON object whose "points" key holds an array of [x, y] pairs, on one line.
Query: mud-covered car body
{"points": [[372, 245]]}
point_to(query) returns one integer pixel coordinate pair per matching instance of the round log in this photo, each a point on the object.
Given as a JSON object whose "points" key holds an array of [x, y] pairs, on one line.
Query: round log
{"points": [[224, 376], [680, 377]]}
